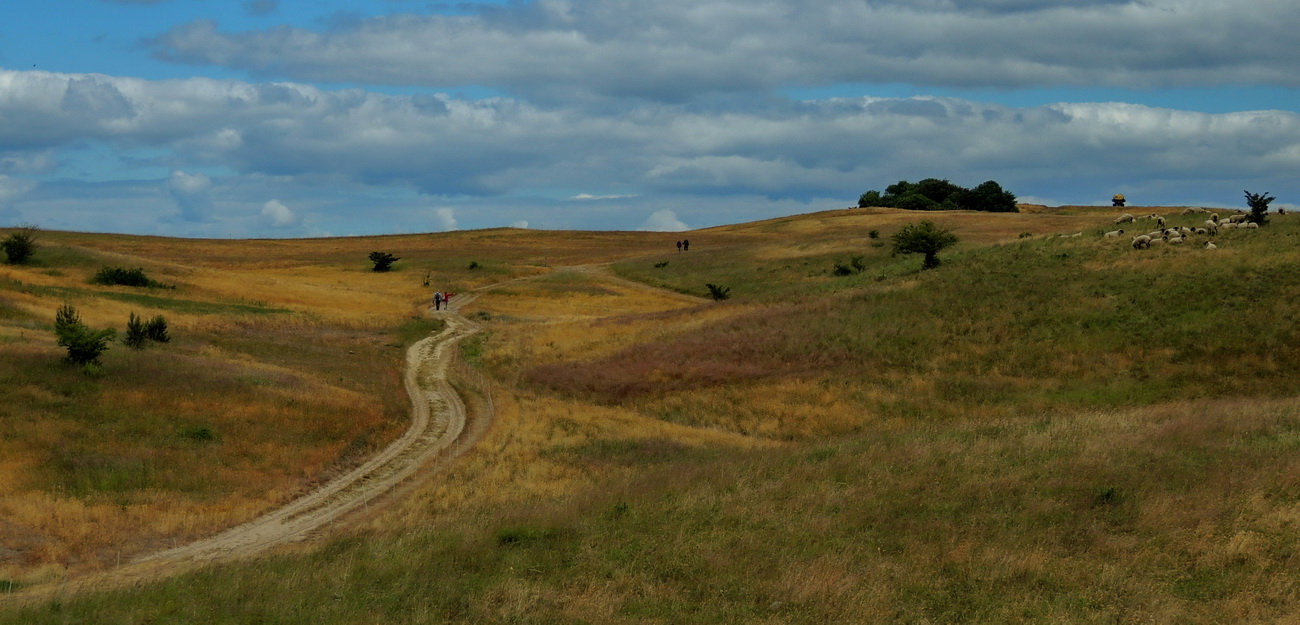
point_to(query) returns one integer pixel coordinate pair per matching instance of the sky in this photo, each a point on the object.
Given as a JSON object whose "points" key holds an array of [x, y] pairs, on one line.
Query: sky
{"points": [[281, 119]]}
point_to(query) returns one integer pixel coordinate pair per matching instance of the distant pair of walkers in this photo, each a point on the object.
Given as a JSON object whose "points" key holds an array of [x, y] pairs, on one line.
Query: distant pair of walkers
{"points": [[440, 299], [684, 245]]}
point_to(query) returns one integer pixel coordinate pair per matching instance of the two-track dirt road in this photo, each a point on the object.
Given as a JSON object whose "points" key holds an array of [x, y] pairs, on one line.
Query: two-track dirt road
{"points": [[438, 430]]}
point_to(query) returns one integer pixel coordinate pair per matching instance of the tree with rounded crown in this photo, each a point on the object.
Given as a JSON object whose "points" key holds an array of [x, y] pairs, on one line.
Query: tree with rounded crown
{"points": [[923, 238]]}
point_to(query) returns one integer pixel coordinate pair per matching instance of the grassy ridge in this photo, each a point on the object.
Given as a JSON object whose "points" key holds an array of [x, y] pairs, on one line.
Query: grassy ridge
{"points": [[1046, 324]]}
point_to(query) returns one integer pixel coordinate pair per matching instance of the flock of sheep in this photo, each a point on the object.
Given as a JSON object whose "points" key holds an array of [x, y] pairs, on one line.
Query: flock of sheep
{"points": [[1177, 235]]}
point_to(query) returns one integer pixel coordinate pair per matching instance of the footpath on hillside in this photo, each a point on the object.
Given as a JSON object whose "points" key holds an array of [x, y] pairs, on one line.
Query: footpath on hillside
{"points": [[438, 429]]}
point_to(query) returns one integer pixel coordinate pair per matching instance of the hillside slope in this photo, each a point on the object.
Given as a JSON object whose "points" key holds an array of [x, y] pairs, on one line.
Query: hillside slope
{"points": [[1042, 429]]}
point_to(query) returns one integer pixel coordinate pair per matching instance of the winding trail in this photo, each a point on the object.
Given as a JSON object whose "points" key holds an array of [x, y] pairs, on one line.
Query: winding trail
{"points": [[438, 429]]}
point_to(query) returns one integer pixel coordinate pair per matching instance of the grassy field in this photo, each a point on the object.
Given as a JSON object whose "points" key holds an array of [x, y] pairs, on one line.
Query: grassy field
{"points": [[1043, 429]]}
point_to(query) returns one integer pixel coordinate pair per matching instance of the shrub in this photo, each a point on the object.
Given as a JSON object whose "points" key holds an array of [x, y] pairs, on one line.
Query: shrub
{"points": [[156, 329], [135, 332], [119, 276], [717, 292], [1258, 203], [473, 264], [138, 331], [383, 260], [873, 234], [923, 238], [84, 345], [20, 246]]}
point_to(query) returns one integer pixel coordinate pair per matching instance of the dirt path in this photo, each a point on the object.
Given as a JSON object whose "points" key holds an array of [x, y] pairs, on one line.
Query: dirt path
{"points": [[438, 430]]}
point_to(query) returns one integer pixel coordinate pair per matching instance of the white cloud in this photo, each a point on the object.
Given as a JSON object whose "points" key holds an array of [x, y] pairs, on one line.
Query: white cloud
{"points": [[446, 219], [588, 196], [11, 188], [675, 50], [334, 155], [279, 215], [663, 221], [520, 224], [190, 192]]}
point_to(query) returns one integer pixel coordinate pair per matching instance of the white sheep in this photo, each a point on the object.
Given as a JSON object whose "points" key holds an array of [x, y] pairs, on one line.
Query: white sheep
{"points": [[1202, 231], [1185, 231], [1236, 219], [1193, 209], [1160, 221], [1174, 240], [1114, 234], [1125, 218], [1281, 210], [1227, 225], [1214, 217], [1212, 226], [1156, 234], [1250, 225], [1141, 241], [1209, 245]]}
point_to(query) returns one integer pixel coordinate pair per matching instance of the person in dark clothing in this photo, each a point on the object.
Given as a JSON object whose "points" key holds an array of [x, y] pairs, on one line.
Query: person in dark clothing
{"points": [[686, 245], [437, 300], [679, 245]]}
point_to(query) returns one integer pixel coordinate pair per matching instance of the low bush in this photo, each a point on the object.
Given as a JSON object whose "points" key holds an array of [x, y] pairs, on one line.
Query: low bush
{"points": [[121, 276]]}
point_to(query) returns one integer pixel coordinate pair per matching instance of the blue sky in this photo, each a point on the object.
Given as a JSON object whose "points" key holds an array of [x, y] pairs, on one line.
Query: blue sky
{"points": [[271, 118]]}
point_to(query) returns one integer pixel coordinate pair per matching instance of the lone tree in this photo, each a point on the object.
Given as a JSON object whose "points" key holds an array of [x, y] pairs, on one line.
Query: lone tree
{"points": [[84, 345], [20, 245], [1258, 203], [383, 260], [923, 238]]}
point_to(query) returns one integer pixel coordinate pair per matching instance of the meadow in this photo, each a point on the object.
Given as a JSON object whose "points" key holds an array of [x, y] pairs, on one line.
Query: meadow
{"points": [[1042, 429]]}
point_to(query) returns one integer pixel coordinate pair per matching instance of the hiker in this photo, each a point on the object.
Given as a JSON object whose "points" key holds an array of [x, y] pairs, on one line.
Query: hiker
{"points": [[446, 299], [679, 245], [437, 300], [686, 245]]}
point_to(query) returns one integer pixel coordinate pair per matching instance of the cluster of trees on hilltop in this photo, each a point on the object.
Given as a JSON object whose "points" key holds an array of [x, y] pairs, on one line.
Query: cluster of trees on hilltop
{"points": [[934, 194]]}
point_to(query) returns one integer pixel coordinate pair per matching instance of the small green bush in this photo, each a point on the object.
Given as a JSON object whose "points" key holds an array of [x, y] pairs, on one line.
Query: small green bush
{"points": [[383, 260], [120, 276], [20, 246], [718, 292], [138, 331], [84, 345]]}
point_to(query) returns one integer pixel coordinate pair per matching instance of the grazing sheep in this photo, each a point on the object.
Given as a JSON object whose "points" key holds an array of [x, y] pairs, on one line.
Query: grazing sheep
{"points": [[1281, 210], [1160, 221], [1125, 218], [1174, 240], [1209, 245], [1202, 231], [1214, 217], [1250, 225], [1156, 234], [1227, 225], [1236, 219], [1212, 226], [1193, 209], [1114, 234], [1141, 241], [1185, 231]]}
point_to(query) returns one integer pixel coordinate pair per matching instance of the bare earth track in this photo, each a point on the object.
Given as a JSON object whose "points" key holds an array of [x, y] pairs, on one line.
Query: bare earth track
{"points": [[438, 430]]}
